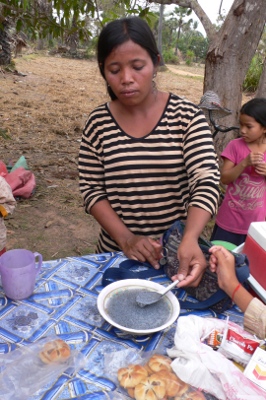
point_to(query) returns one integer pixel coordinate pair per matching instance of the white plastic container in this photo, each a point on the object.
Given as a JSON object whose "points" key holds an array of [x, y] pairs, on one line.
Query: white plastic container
{"points": [[255, 249]]}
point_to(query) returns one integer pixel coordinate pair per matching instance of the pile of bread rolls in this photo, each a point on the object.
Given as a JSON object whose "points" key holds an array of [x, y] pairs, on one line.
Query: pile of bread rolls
{"points": [[155, 381]]}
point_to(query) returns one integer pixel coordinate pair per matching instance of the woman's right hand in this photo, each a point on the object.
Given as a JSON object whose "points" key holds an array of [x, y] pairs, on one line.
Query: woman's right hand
{"points": [[143, 248], [136, 247]]}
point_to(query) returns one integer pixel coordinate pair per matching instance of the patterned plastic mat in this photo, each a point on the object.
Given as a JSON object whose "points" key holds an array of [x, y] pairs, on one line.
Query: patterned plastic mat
{"points": [[64, 303]]}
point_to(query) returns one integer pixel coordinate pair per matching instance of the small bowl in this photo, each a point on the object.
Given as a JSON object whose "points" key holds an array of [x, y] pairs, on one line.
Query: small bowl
{"points": [[130, 284]]}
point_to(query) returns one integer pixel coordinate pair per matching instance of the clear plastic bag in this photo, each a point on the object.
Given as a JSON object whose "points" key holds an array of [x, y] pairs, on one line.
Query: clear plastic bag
{"points": [[200, 366], [144, 375], [27, 369]]}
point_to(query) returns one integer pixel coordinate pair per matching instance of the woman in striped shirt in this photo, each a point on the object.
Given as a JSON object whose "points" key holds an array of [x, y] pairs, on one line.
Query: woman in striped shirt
{"points": [[147, 157]]}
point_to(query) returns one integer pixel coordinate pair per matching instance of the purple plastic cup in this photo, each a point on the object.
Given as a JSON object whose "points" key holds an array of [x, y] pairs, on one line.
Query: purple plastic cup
{"points": [[18, 270]]}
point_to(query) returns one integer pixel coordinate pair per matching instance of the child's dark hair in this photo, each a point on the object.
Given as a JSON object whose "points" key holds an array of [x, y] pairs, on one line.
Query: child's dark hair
{"points": [[256, 108], [120, 31]]}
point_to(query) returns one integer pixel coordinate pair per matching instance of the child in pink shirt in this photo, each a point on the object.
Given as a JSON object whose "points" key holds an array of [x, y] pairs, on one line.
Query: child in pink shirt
{"points": [[244, 171]]}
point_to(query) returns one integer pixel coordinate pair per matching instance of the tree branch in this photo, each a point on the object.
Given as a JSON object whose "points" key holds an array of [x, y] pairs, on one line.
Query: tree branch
{"points": [[194, 5]]}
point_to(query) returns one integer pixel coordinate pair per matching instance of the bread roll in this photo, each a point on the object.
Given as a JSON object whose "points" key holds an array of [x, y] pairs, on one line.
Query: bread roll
{"points": [[55, 351], [150, 388], [131, 392], [130, 376], [150, 371], [158, 363], [174, 385]]}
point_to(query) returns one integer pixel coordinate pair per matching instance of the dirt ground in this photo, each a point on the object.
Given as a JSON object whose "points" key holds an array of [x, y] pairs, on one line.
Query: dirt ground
{"points": [[43, 110]]}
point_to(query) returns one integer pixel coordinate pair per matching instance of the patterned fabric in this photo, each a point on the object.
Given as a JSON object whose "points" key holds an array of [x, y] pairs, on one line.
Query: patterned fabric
{"points": [[64, 303], [151, 181], [7, 206]]}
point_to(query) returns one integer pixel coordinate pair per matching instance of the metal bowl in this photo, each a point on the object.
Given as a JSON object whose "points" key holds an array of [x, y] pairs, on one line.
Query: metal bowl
{"points": [[108, 293]]}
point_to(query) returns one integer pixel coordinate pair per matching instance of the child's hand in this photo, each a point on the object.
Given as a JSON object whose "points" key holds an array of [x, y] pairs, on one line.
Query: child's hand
{"points": [[223, 263], [261, 168], [256, 158]]}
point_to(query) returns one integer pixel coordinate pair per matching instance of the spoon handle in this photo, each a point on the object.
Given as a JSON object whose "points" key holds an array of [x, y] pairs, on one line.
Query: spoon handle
{"points": [[169, 287]]}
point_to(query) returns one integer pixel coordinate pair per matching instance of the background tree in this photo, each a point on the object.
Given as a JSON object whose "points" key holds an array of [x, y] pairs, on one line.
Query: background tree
{"points": [[5, 49], [174, 27], [160, 30], [64, 19], [261, 92], [194, 41], [179, 15], [43, 7], [230, 50], [261, 89]]}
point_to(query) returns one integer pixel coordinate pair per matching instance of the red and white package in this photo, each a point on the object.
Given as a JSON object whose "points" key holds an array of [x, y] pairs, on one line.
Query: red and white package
{"points": [[237, 344]]}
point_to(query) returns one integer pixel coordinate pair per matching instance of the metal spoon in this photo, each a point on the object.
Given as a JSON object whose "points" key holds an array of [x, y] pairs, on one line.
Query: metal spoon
{"points": [[146, 297]]}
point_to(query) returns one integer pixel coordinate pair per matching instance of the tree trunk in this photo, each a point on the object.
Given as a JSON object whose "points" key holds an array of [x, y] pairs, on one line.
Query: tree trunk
{"points": [[72, 39], [5, 47], [229, 54], [160, 30], [230, 51], [40, 44], [261, 92]]}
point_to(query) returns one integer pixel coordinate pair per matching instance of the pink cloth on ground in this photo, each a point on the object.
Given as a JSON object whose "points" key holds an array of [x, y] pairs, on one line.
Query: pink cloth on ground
{"points": [[22, 182], [245, 198]]}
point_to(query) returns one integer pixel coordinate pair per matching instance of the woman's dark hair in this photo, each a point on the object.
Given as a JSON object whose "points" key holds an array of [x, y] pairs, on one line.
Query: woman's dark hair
{"points": [[256, 108], [120, 31]]}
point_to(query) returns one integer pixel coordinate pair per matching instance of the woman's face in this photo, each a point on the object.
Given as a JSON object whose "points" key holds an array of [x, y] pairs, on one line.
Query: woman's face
{"points": [[129, 71]]}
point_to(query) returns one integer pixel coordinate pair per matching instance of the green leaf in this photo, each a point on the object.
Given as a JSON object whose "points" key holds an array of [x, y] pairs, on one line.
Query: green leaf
{"points": [[19, 25]]}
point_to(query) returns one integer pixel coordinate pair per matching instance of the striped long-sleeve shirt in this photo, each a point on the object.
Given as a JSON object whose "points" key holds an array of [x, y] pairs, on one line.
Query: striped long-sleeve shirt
{"points": [[150, 181]]}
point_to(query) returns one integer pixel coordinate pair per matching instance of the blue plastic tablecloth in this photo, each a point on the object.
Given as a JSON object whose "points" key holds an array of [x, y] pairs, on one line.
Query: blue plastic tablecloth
{"points": [[64, 303]]}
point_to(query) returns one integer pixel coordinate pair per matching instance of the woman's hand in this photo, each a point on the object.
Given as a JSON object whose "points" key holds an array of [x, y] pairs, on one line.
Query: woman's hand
{"points": [[143, 248], [137, 247], [192, 263]]}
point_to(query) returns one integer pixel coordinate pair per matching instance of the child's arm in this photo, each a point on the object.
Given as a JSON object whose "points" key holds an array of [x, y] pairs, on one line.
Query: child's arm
{"points": [[230, 171], [223, 263]]}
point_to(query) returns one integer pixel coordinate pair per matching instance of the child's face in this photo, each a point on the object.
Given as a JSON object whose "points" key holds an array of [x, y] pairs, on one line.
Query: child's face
{"points": [[251, 130]]}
